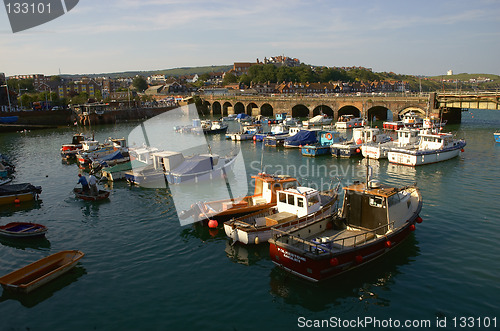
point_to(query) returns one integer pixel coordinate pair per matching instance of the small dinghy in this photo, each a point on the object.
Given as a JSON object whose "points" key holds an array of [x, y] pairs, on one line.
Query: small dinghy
{"points": [[22, 230], [38, 273], [87, 196]]}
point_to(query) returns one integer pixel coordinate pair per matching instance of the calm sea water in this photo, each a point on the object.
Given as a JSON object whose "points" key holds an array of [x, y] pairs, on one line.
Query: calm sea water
{"points": [[142, 270]]}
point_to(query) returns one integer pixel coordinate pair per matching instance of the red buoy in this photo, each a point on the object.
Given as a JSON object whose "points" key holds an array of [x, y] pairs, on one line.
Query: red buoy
{"points": [[16, 200], [254, 138], [358, 150], [412, 227], [419, 219], [388, 244], [212, 224], [359, 258], [334, 262], [462, 150]]}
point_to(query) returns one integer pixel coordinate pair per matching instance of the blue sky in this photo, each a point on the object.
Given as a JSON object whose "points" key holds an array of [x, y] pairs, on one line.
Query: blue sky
{"points": [[418, 37]]}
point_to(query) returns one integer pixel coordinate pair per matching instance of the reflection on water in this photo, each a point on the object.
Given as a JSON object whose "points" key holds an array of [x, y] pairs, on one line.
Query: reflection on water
{"points": [[246, 254], [40, 243], [46, 291], [364, 283], [11, 209], [203, 232]]}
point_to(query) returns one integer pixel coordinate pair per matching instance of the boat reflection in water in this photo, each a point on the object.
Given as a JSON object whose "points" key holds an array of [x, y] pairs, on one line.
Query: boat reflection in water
{"points": [[46, 291], [367, 284], [246, 254], [39, 243]]}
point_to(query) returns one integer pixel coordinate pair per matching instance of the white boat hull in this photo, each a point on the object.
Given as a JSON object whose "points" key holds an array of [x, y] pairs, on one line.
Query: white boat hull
{"points": [[415, 159]]}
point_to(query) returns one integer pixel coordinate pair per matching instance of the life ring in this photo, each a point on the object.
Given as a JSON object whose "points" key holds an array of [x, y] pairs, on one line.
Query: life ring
{"points": [[328, 136], [374, 139]]}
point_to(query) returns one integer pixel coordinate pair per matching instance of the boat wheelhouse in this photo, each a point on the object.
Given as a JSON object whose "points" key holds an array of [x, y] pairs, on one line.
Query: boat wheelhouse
{"points": [[294, 206], [359, 136], [374, 220], [406, 138]]}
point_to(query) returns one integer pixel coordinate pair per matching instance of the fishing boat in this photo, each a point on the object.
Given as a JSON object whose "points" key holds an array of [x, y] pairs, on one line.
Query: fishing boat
{"points": [[201, 167], [496, 135], [359, 136], [303, 137], [92, 150], [117, 157], [323, 146], [349, 122], [17, 193], [213, 127], [433, 147], [38, 273], [294, 206], [276, 130], [69, 151], [264, 197], [248, 132], [317, 121], [374, 220], [101, 195], [406, 138], [22, 230]]}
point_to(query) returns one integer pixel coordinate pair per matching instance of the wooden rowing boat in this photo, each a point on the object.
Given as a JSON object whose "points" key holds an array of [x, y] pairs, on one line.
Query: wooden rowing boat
{"points": [[38, 273], [87, 196], [22, 230]]}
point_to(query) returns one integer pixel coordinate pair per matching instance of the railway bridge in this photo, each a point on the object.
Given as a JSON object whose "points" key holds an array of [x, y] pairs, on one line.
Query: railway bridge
{"points": [[379, 106]]}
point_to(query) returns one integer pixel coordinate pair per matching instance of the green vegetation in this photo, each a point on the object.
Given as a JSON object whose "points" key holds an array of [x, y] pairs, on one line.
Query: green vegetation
{"points": [[140, 84], [176, 72]]}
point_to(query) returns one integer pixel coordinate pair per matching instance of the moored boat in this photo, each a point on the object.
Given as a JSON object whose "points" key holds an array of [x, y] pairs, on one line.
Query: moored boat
{"points": [[303, 137], [433, 147], [322, 147], [36, 274], [17, 193], [359, 136], [264, 197], [496, 135], [317, 121], [349, 122], [22, 230], [406, 138], [69, 151], [294, 206], [374, 219]]}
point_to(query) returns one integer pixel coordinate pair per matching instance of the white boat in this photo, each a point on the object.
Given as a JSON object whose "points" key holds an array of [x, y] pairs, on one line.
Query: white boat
{"points": [[231, 117], [295, 206], [359, 137], [349, 122], [407, 138], [412, 119], [92, 150], [247, 133], [318, 120], [433, 147]]}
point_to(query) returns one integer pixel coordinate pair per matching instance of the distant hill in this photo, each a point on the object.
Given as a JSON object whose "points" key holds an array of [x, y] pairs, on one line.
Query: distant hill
{"points": [[169, 72]]}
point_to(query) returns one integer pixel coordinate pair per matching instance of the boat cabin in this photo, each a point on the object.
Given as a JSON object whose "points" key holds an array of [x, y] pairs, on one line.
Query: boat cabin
{"points": [[326, 138], [365, 135], [119, 143], [167, 160], [429, 141], [77, 139], [300, 201], [143, 154], [407, 136], [412, 118], [266, 186], [90, 145]]}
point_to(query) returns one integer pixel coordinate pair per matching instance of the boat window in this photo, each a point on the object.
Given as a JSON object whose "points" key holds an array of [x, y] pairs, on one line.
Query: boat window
{"points": [[300, 202], [277, 186], [291, 200], [312, 200], [282, 197], [288, 185], [376, 202]]}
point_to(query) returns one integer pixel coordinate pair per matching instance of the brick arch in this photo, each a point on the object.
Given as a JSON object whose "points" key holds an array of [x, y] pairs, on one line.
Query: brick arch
{"points": [[250, 109], [300, 110], [415, 109], [267, 110], [226, 107], [349, 110], [380, 112], [216, 108], [323, 109], [239, 108]]}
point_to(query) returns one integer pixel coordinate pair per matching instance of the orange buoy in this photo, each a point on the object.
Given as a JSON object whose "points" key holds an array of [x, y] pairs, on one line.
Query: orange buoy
{"points": [[16, 200], [213, 232], [334, 262], [388, 244], [359, 258], [212, 224], [328, 136], [419, 219], [412, 227], [254, 138], [358, 150], [462, 150]]}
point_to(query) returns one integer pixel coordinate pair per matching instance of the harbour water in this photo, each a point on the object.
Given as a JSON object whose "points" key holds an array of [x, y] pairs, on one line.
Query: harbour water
{"points": [[142, 270]]}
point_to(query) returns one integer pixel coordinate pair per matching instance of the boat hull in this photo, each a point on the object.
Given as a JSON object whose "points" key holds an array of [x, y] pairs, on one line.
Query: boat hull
{"points": [[419, 158], [315, 150], [316, 268], [497, 137], [346, 150], [102, 195], [22, 230], [11, 195], [38, 273]]}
